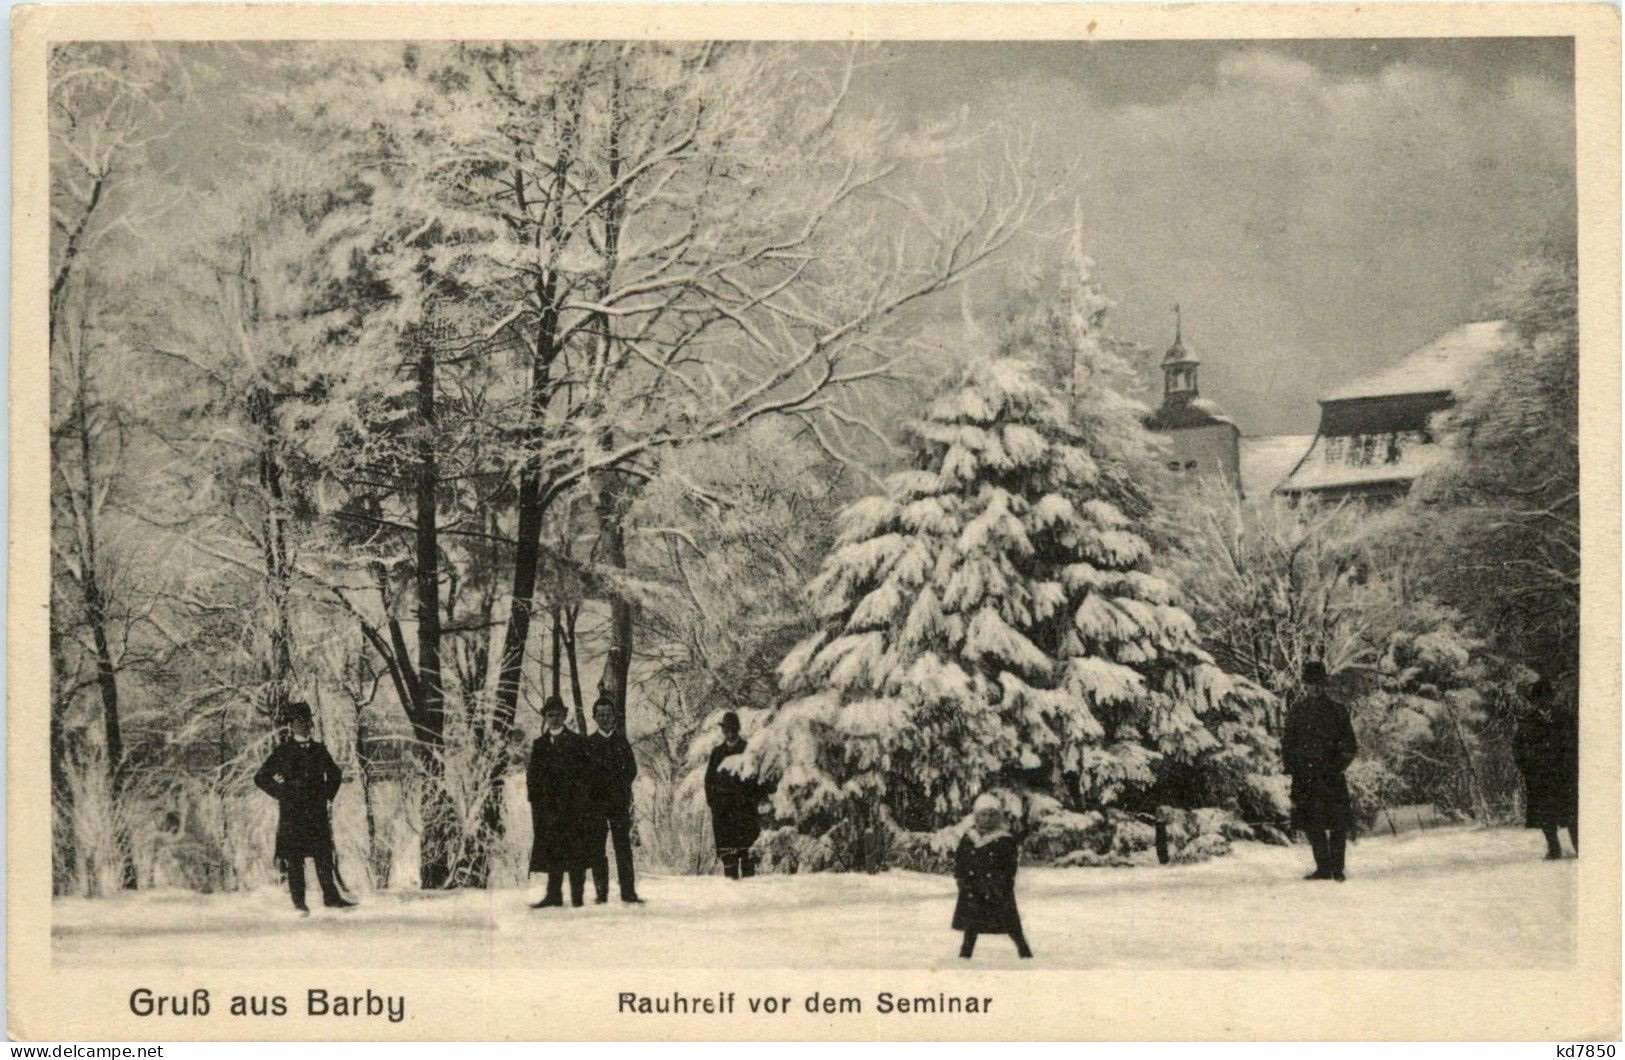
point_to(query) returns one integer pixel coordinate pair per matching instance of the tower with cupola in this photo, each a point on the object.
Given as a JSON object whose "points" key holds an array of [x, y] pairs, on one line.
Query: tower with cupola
{"points": [[1202, 441]]}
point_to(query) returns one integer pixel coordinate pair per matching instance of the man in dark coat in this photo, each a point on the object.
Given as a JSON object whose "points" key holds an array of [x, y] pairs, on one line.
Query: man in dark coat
{"points": [[1316, 748], [733, 800], [556, 782], [613, 768], [1548, 755], [303, 778]]}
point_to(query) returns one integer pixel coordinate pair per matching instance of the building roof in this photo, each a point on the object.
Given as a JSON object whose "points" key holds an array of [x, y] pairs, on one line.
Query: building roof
{"points": [[1398, 403], [1439, 366], [1267, 460], [1322, 470], [1383, 415], [1175, 414]]}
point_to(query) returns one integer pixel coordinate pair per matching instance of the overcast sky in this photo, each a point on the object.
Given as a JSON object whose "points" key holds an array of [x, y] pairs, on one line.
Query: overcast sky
{"points": [[1318, 207]]}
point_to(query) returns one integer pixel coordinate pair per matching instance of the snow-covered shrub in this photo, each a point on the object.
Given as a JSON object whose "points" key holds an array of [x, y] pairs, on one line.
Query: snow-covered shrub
{"points": [[926, 851], [101, 825], [1373, 786], [1179, 826], [1131, 834], [1267, 800], [1441, 709], [1211, 820], [1062, 832], [1090, 859], [1274, 836], [674, 826], [786, 850], [1202, 848]]}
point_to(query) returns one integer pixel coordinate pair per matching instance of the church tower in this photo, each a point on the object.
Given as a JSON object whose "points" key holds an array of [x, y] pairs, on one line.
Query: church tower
{"points": [[1179, 368], [1201, 440]]}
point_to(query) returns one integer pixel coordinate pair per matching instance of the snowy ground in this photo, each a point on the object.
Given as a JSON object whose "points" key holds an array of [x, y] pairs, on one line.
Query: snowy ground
{"points": [[1452, 898]]}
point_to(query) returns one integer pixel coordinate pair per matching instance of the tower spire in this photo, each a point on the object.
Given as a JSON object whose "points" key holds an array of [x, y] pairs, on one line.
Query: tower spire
{"points": [[1178, 366]]}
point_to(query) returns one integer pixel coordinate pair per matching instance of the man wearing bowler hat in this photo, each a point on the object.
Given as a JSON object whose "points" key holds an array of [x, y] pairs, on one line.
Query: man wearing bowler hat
{"points": [[733, 799], [1316, 747]]}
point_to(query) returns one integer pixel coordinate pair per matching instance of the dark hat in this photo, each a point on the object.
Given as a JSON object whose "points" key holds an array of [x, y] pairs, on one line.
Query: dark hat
{"points": [[1314, 672], [298, 710], [553, 705], [730, 720]]}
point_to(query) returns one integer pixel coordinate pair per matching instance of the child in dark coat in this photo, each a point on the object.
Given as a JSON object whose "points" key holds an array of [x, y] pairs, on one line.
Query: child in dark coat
{"points": [[985, 868]]}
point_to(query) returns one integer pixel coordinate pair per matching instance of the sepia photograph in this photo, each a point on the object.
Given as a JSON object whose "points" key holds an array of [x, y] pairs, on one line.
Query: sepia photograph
{"points": [[818, 505]]}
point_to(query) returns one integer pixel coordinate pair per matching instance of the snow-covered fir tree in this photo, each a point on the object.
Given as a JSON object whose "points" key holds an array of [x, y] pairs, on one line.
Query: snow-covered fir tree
{"points": [[990, 616]]}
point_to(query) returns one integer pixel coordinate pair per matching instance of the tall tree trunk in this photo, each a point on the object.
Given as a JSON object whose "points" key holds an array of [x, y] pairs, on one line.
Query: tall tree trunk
{"points": [[380, 857], [534, 496], [262, 412], [439, 814], [532, 506], [556, 662], [623, 611], [571, 615], [96, 618], [279, 667], [64, 846], [613, 499]]}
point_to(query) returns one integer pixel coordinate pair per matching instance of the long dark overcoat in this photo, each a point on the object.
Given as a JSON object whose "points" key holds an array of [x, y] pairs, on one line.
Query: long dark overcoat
{"points": [[613, 768], [556, 782], [1316, 748], [303, 779], [1548, 757], [733, 800], [986, 872]]}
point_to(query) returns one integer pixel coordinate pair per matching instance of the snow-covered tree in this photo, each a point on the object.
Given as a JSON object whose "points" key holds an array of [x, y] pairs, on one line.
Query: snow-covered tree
{"points": [[104, 113], [989, 615], [1505, 507], [1437, 724], [1059, 320], [1275, 584]]}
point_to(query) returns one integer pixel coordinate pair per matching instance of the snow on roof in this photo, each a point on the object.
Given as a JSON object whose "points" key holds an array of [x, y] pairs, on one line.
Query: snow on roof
{"points": [[1440, 365], [1267, 460], [1209, 409], [1181, 414], [1329, 465]]}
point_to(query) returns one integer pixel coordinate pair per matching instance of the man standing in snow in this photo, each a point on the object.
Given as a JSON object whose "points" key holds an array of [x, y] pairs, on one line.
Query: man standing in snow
{"points": [[303, 778], [1548, 757], [733, 799], [556, 783], [1316, 748], [614, 767]]}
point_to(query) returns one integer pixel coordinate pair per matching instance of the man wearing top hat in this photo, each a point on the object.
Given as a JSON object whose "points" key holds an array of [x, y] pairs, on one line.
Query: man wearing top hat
{"points": [[556, 782], [303, 778]]}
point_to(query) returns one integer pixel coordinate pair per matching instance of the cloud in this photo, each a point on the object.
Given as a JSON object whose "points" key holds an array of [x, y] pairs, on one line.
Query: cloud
{"points": [[1314, 224], [1266, 67]]}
